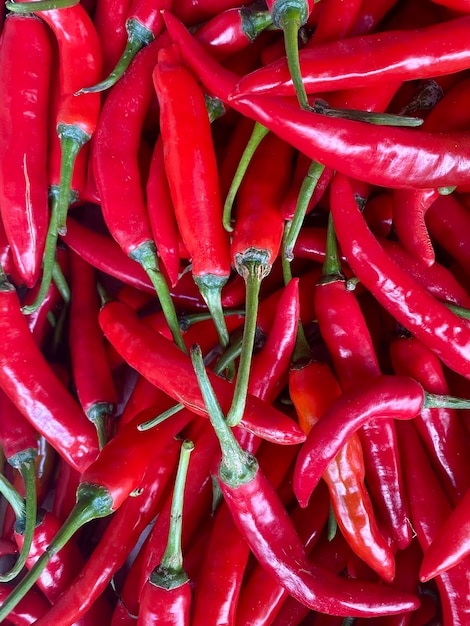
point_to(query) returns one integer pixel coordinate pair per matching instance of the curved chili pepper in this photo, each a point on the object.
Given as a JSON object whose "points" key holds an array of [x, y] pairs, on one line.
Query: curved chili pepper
{"points": [[430, 509], [144, 23], [80, 57], [441, 430], [109, 19], [25, 62], [450, 546], [418, 159], [151, 354], [166, 597], [336, 21], [344, 330], [115, 154], [91, 373], [193, 180], [28, 380], [256, 242], [198, 11], [429, 320], [266, 526], [399, 397], [118, 540], [367, 60]]}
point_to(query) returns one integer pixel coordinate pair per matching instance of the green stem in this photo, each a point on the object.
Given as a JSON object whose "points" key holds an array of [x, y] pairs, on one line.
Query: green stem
{"points": [[12, 497], [460, 311], [186, 321], [210, 287], [237, 466], [99, 414], [254, 21], [170, 573], [229, 356], [61, 282], [331, 270], [146, 256], [435, 401], [253, 266], [332, 526], [307, 188], [258, 134], [26, 525], [93, 502], [215, 107], [290, 22], [138, 36], [371, 117], [39, 5]]}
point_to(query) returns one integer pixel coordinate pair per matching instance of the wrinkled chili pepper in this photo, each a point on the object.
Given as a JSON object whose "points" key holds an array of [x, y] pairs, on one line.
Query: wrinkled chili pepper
{"points": [[25, 62], [266, 526], [166, 597], [193, 180]]}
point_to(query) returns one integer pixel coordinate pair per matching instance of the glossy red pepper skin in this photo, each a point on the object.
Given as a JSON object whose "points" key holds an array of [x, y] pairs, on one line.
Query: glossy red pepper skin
{"points": [[109, 19], [28, 380], [25, 62], [162, 607], [384, 396], [151, 354], [409, 304], [368, 60], [198, 11], [192, 169], [430, 509], [336, 20], [441, 430], [33, 606], [425, 159], [117, 542]]}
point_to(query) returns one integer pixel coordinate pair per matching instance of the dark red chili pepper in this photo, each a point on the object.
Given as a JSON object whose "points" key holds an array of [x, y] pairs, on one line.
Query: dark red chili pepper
{"points": [[65, 490], [151, 354], [118, 540], [336, 20], [450, 546], [80, 58], [198, 11], [345, 332], [28, 380], [256, 242], [116, 147], [25, 62], [193, 180], [91, 373], [441, 430], [428, 319], [109, 19], [371, 14], [166, 596], [105, 484], [33, 606], [266, 526], [429, 511], [418, 159], [368, 60], [233, 30], [399, 397]]}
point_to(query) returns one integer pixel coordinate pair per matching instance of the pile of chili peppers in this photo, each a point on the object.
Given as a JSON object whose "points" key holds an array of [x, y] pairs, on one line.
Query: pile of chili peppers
{"points": [[234, 307]]}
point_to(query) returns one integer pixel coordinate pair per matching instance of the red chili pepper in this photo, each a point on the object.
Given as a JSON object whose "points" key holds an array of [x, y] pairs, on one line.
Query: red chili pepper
{"points": [[118, 540], [25, 62], [336, 20], [450, 546], [65, 490], [166, 596], [80, 57], [345, 332], [193, 180], [33, 606], [198, 11], [367, 60], [429, 510], [233, 30], [371, 14], [441, 430], [266, 526], [418, 159], [109, 19], [429, 320], [116, 147], [151, 354], [399, 397], [28, 380]]}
